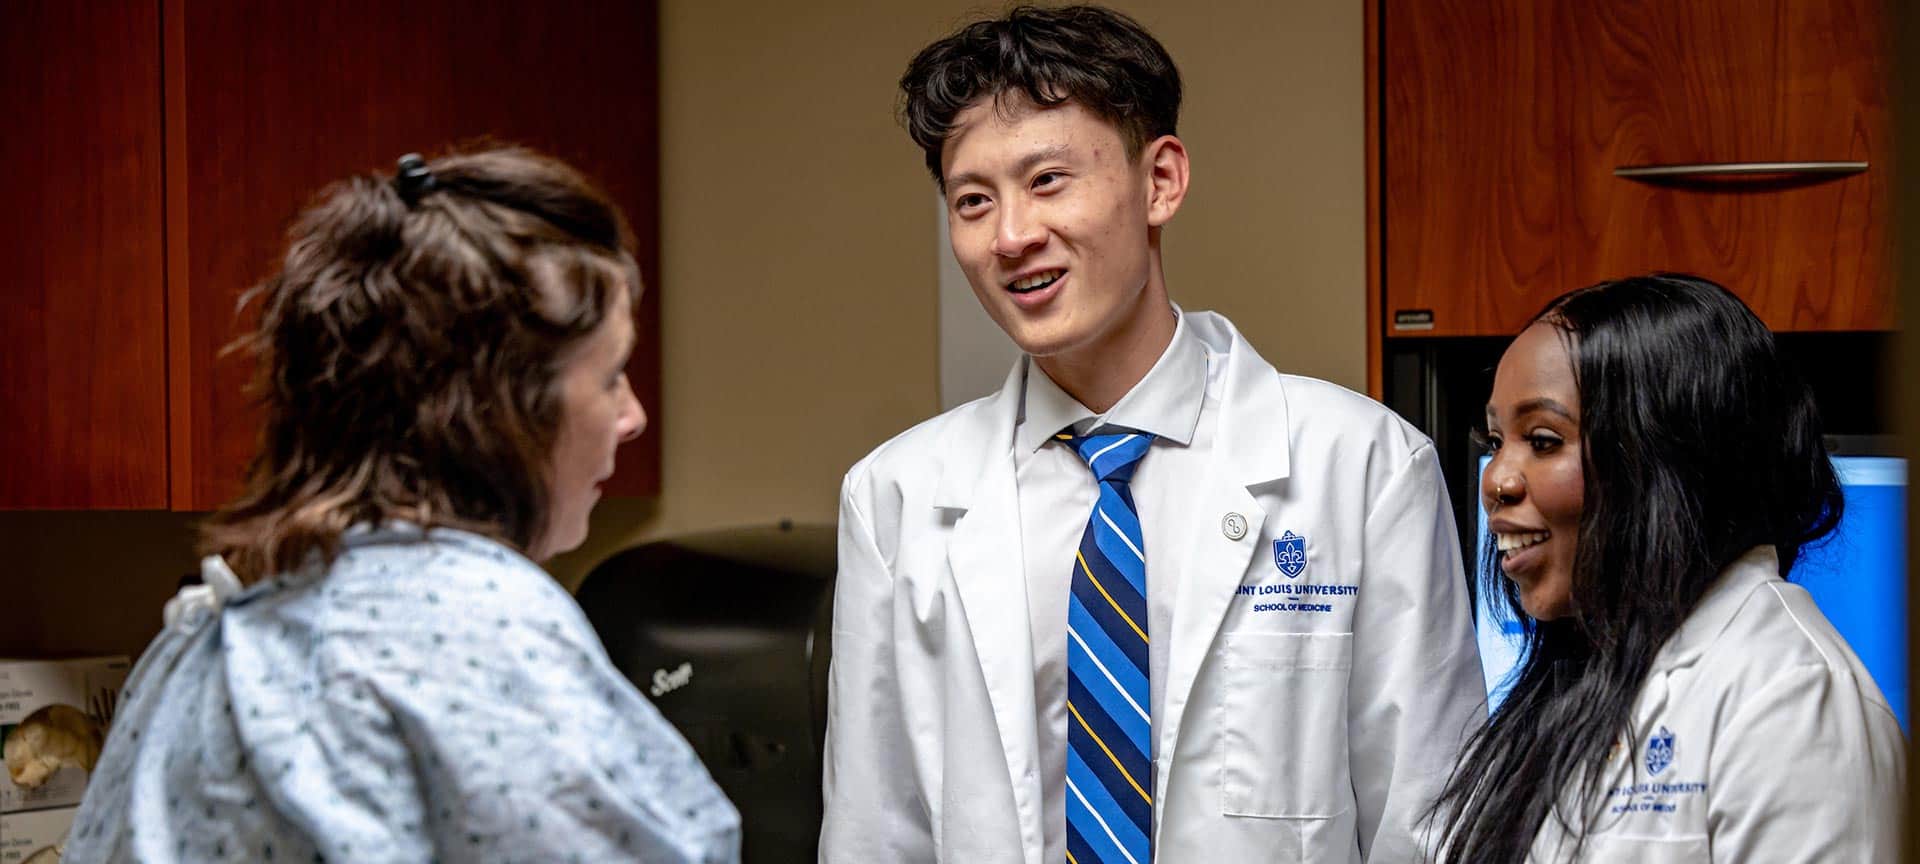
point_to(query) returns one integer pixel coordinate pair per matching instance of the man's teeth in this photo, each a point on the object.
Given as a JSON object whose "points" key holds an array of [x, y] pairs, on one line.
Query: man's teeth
{"points": [[1037, 280], [1511, 542]]}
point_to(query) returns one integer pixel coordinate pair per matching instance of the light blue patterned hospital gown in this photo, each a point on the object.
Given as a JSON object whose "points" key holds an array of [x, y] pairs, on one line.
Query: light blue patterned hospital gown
{"points": [[433, 699]]}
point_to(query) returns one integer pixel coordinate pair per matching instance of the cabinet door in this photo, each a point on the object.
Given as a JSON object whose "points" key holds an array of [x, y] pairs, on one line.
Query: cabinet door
{"points": [[1473, 162], [1504, 121], [267, 102], [83, 417], [1754, 81]]}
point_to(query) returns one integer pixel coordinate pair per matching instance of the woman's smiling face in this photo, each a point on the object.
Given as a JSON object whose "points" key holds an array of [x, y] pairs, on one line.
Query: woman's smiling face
{"points": [[1534, 489]]}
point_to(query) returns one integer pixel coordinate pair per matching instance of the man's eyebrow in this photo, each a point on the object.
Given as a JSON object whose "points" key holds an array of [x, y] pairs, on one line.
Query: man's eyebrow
{"points": [[1025, 164]]}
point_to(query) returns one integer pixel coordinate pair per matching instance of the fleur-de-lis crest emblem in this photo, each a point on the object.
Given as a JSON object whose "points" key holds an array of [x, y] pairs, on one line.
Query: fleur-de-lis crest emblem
{"points": [[1659, 751], [1290, 554]]}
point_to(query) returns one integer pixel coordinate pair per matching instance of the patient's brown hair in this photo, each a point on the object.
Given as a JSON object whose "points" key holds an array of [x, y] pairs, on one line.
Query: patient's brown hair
{"points": [[408, 352]]}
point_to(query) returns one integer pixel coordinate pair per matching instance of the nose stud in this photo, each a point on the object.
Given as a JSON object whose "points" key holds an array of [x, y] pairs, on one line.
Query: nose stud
{"points": [[1502, 494]]}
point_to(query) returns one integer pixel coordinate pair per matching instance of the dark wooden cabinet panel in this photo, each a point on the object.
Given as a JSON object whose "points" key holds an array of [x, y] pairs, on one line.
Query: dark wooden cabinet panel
{"points": [[1503, 123], [269, 101], [83, 413], [1472, 160], [1693, 83]]}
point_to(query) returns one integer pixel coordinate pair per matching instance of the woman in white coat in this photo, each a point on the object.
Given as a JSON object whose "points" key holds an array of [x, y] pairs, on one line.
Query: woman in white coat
{"points": [[1657, 467]]}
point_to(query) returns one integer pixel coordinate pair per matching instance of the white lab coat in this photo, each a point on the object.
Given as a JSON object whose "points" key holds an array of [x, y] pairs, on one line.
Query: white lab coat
{"points": [[1758, 737], [1287, 735]]}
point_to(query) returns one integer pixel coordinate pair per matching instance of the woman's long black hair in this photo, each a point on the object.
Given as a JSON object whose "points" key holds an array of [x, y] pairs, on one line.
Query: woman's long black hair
{"points": [[1699, 443]]}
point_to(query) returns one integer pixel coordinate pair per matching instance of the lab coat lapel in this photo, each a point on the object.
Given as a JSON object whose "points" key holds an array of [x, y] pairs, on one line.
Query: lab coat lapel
{"points": [[988, 566], [1250, 449]]}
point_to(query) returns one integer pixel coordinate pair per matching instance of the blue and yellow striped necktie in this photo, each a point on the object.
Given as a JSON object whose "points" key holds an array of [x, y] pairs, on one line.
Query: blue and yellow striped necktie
{"points": [[1109, 733]]}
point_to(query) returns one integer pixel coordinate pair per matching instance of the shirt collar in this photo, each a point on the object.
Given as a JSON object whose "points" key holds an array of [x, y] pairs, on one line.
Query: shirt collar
{"points": [[1166, 403]]}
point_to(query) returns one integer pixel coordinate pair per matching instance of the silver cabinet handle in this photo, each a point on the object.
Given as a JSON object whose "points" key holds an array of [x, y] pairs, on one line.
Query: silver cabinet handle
{"points": [[1737, 169]]}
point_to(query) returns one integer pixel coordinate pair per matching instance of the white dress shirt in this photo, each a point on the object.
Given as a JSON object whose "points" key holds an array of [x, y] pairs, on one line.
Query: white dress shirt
{"points": [[1176, 402]]}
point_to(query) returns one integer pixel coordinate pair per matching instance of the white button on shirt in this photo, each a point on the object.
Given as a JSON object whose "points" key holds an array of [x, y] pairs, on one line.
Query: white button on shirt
{"points": [[1177, 403]]}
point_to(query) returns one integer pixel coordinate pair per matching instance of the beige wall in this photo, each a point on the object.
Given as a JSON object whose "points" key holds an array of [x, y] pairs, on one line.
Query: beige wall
{"points": [[798, 296], [1273, 233]]}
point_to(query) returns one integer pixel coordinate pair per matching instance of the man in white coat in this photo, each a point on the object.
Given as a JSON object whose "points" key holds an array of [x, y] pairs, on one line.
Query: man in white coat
{"points": [[1153, 600]]}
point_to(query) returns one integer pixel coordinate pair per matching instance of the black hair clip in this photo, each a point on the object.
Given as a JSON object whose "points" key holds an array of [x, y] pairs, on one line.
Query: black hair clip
{"points": [[414, 178]]}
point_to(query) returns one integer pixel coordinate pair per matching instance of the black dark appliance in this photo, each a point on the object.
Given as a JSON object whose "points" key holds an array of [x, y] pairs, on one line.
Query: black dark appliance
{"points": [[728, 633]]}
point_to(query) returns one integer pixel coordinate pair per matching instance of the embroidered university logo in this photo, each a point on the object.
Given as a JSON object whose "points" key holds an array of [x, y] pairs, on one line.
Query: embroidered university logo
{"points": [[1659, 751], [1290, 554]]}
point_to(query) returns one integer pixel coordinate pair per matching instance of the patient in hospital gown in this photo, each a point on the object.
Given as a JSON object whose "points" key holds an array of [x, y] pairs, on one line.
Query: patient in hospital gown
{"points": [[376, 667]]}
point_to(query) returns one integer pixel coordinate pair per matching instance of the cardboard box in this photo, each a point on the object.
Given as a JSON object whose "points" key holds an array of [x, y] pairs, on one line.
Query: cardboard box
{"points": [[25, 835], [45, 704]]}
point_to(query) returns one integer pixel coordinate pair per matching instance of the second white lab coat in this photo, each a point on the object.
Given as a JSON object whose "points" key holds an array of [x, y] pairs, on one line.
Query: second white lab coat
{"points": [[1757, 737], [1311, 712]]}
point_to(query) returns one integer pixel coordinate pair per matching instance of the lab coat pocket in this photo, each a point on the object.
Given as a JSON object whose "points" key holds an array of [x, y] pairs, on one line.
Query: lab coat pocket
{"points": [[1684, 849], [1283, 725]]}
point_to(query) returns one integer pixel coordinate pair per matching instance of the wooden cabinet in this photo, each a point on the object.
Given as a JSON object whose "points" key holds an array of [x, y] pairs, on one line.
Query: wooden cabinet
{"points": [[83, 412], [264, 103], [269, 101], [1502, 123]]}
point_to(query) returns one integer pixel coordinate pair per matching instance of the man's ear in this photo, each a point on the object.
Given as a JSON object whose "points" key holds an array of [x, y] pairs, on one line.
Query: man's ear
{"points": [[1166, 162]]}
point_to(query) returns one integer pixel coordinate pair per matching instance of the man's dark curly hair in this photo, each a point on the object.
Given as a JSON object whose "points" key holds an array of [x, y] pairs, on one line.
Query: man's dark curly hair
{"points": [[1088, 55]]}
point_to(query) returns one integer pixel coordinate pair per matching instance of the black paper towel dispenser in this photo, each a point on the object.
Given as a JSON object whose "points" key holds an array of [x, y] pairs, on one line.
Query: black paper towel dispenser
{"points": [[728, 633]]}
